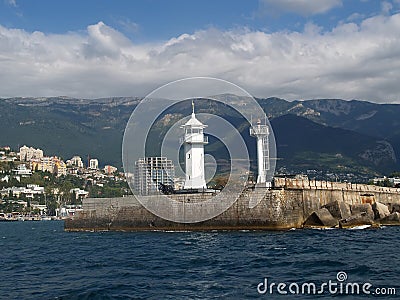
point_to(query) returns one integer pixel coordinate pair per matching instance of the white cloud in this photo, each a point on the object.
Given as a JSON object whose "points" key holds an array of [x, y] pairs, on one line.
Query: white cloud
{"points": [[11, 2], [386, 7], [351, 61], [128, 26], [301, 7], [355, 16]]}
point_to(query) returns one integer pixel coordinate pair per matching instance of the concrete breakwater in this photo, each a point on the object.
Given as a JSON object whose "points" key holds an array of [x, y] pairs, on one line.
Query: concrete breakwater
{"points": [[291, 203]]}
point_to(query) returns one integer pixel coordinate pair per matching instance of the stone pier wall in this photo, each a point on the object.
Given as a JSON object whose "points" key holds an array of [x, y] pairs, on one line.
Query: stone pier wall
{"points": [[285, 206]]}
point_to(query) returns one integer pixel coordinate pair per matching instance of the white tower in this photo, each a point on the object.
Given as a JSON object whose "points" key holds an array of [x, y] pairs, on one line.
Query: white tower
{"points": [[194, 141], [261, 132]]}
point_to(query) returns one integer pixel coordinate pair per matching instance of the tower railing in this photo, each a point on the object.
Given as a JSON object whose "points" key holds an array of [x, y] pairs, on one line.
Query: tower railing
{"points": [[194, 139], [259, 130]]}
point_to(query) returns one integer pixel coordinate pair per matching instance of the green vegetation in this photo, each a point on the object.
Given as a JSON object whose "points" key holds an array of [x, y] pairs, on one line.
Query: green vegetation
{"points": [[109, 190], [386, 183]]}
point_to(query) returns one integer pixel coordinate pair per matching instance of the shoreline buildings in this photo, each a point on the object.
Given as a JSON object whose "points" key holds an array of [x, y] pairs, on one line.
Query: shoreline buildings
{"points": [[93, 164], [29, 153], [38, 162], [75, 161]]}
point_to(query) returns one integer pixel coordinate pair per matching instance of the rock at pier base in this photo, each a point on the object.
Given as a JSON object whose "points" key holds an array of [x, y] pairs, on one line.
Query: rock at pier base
{"points": [[321, 218], [392, 219], [364, 209], [380, 210], [394, 207], [356, 220], [338, 209]]}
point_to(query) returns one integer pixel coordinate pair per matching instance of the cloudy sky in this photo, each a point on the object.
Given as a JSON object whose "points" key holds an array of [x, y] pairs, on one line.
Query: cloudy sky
{"points": [[294, 49]]}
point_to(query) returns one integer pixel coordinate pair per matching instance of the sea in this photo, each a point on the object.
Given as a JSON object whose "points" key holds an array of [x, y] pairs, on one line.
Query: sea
{"points": [[39, 260]]}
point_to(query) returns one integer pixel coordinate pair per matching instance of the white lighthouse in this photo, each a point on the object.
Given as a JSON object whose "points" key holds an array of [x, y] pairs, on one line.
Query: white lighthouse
{"points": [[194, 141], [261, 132]]}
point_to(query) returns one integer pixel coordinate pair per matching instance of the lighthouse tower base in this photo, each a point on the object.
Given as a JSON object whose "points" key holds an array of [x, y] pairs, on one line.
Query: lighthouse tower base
{"points": [[264, 185]]}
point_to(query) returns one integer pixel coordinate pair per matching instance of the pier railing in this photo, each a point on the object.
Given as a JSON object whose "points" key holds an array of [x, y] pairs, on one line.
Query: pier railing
{"points": [[293, 183]]}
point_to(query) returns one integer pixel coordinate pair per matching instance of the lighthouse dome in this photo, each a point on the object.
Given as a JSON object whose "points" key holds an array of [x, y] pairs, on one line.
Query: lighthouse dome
{"points": [[193, 122]]}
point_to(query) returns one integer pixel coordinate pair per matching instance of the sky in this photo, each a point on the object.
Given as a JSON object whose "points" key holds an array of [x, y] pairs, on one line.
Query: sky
{"points": [[293, 49]]}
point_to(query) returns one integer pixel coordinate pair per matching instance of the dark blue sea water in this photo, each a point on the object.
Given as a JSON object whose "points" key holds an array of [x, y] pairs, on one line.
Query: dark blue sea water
{"points": [[38, 260]]}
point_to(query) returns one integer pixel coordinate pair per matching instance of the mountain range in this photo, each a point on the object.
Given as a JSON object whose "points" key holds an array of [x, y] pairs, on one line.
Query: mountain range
{"points": [[325, 134]]}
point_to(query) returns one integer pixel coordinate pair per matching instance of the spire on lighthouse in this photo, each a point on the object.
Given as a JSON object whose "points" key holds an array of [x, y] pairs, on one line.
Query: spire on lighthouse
{"points": [[194, 141]]}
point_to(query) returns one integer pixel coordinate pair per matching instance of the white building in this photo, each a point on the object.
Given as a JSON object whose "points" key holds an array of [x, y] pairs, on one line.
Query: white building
{"points": [[194, 141], [395, 181], [29, 153], [23, 171], [150, 172], [29, 191], [68, 210], [93, 164], [5, 179], [79, 193], [76, 161], [109, 169], [46, 164], [41, 207]]}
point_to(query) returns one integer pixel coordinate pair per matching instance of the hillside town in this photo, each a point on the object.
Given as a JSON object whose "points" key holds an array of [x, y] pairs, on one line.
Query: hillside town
{"points": [[34, 186]]}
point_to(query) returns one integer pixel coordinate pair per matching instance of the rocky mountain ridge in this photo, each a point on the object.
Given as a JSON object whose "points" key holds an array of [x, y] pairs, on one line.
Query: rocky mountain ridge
{"points": [[68, 126]]}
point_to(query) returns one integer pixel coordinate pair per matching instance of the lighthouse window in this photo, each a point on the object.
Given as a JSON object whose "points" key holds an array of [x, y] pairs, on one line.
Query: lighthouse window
{"points": [[195, 130], [188, 131], [188, 155]]}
